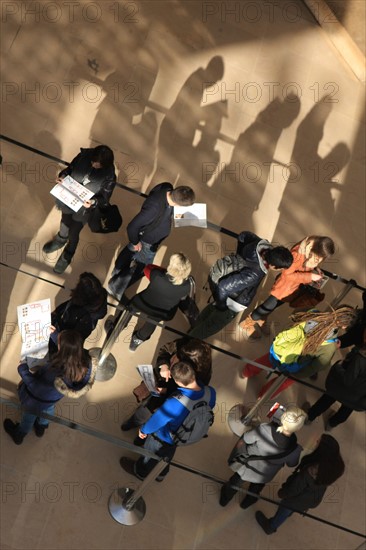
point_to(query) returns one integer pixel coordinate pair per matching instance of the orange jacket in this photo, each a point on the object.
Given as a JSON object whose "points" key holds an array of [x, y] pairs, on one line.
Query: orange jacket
{"points": [[290, 279]]}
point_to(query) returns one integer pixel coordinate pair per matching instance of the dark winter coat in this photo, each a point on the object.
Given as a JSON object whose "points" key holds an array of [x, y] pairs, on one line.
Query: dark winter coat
{"points": [[154, 221], [161, 298], [346, 381], [300, 492], [37, 391], [101, 182], [242, 285]]}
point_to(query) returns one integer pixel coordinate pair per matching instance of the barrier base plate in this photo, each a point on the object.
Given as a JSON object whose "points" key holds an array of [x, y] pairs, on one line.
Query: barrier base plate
{"points": [[118, 510], [107, 370], [236, 413]]}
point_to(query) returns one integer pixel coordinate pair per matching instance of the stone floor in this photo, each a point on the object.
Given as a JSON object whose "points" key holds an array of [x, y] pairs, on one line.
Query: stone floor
{"points": [[255, 110]]}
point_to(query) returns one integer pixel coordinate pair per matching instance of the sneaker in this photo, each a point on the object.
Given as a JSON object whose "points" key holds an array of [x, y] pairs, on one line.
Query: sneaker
{"points": [[12, 429], [135, 342], [249, 327], [62, 263], [56, 243], [128, 465], [264, 522], [39, 429]]}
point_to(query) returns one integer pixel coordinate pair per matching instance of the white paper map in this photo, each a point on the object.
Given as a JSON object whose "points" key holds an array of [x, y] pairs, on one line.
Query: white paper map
{"points": [[71, 193], [147, 374], [34, 320], [191, 215]]}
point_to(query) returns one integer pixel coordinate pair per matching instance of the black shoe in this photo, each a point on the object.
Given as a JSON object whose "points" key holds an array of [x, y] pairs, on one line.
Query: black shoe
{"points": [[57, 243], [135, 342], [247, 502], [128, 465], [62, 263], [224, 499], [128, 425], [138, 441], [109, 324], [264, 522], [12, 429], [39, 429]]}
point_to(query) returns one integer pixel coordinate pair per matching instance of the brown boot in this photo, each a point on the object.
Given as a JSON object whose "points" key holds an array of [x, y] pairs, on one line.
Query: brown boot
{"points": [[249, 328], [263, 325]]}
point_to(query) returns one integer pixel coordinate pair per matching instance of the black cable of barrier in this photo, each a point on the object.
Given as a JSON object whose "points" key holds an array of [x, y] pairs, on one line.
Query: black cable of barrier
{"points": [[210, 225], [141, 451]]}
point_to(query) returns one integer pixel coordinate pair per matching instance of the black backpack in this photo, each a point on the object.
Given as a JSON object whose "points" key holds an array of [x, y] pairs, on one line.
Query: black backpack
{"points": [[198, 421]]}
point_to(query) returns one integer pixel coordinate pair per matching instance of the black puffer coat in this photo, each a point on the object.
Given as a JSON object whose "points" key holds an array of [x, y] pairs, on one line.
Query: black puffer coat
{"points": [[346, 381], [242, 285]]}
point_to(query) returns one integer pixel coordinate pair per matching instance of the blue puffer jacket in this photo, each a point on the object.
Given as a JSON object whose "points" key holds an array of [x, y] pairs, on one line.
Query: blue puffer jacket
{"points": [[242, 285]]}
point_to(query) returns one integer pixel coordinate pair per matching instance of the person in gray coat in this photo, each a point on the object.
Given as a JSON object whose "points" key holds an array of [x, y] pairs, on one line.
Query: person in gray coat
{"points": [[273, 446], [306, 487], [346, 383]]}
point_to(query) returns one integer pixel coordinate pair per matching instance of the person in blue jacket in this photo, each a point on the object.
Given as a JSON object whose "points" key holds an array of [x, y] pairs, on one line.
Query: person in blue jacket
{"points": [[159, 430], [69, 373]]}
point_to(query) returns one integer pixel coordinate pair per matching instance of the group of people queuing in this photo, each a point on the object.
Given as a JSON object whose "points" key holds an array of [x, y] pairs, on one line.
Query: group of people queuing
{"points": [[183, 368]]}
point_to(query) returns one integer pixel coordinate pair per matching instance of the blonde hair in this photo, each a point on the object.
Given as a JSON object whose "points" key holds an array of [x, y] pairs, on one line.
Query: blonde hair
{"points": [[179, 268], [292, 420]]}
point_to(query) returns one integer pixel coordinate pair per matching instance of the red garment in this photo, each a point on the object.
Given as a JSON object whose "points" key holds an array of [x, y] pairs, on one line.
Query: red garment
{"points": [[149, 267], [290, 279]]}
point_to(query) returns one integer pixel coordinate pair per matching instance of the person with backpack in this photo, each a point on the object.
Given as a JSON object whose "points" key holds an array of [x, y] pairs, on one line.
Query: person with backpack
{"points": [[293, 282], [70, 373], [234, 280], [345, 383], [306, 348], [183, 419], [197, 352], [261, 453], [145, 232], [88, 304], [93, 168], [306, 487]]}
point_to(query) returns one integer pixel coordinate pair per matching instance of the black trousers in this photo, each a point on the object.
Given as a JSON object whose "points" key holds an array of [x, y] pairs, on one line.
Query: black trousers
{"points": [[263, 310], [323, 404], [70, 229], [228, 491]]}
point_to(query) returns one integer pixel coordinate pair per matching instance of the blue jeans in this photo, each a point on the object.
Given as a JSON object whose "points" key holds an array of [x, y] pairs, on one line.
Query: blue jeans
{"points": [[280, 517], [28, 419], [122, 276]]}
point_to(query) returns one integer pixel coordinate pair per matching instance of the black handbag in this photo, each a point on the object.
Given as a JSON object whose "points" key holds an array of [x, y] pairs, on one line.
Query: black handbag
{"points": [[188, 305], [105, 220]]}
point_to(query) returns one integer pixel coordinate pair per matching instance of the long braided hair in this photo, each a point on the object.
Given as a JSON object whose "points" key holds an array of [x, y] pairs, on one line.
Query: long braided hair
{"points": [[326, 323]]}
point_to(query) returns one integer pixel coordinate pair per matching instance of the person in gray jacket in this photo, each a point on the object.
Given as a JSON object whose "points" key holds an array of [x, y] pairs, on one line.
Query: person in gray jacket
{"points": [[273, 446], [306, 487]]}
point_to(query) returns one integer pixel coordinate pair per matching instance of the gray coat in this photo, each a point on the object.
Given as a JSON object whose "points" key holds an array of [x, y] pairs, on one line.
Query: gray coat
{"points": [[264, 440]]}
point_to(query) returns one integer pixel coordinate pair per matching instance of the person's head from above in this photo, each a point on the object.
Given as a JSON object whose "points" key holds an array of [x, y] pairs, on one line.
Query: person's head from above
{"points": [[89, 292], [70, 360], [318, 249], [292, 420], [179, 268], [102, 157], [183, 374], [277, 258], [324, 325], [181, 196], [325, 463]]}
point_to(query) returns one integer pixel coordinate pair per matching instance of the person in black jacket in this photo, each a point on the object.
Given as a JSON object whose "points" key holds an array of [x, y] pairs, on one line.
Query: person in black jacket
{"points": [[234, 292], [88, 304], [346, 383], [305, 488], [94, 169], [145, 233], [161, 298]]}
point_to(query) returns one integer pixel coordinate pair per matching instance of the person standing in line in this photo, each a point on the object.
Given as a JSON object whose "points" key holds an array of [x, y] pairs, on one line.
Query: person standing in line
{"points": [[94, 169], [271, 446], [307, 255], [145, 233], [234, 291], [306, 487]]}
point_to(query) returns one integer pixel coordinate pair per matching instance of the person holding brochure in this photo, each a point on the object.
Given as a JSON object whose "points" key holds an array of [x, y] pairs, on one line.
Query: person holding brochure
{"points": [[94, 169]]}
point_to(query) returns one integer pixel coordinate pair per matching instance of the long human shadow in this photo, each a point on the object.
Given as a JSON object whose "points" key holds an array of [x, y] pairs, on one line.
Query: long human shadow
{"points": [[186, 115], [247, 174], [307, 201]]}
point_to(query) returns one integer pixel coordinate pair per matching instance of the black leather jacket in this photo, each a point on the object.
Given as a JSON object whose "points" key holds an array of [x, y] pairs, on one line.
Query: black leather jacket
{"points": [[242, 285]]}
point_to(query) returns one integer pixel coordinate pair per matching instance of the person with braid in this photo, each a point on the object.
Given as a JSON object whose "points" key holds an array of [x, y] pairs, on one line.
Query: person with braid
{"points": [[305, 348]]}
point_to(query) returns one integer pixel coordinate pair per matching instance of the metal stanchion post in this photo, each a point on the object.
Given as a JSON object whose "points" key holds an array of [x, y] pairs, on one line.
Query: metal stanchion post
{"points": [[106, 362], [127, 506], [341, 294], [239, 418]]}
